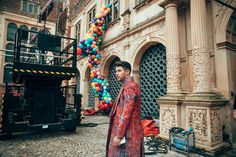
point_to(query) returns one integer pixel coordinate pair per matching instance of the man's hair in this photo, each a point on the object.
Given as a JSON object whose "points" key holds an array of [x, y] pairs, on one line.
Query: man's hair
{"points": [[124, 65]]}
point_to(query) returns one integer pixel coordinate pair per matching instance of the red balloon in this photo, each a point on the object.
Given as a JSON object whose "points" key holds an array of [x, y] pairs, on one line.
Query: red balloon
{"points": [[79, 51], [99, 105], [97, 84]]}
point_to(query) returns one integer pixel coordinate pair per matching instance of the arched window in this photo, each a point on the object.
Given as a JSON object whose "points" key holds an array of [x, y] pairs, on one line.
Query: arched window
{"points": [[25, 34], [11, 31], [7, 78], [9, 54], [31, 33]]}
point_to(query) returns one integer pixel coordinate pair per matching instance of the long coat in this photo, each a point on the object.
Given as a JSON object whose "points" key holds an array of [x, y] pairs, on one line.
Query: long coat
{"points": [[125, 121]]}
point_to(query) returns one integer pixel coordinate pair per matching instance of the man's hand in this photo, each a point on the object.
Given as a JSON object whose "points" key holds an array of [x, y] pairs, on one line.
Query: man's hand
{"points": [[234, 114], [116, 141]]}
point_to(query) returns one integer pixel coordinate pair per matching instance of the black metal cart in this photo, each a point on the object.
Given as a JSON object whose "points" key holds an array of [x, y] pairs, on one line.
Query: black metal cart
{"points": [[35, 99]]}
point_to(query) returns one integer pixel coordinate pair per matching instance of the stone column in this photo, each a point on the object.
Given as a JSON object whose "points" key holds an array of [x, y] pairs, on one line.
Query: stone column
{"points": [[172, 47], [201, 57], [203, 108], [170, 104]]}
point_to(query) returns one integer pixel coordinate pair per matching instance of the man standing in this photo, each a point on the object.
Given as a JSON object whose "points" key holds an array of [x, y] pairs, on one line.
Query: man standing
{"points": [[125, 134]]}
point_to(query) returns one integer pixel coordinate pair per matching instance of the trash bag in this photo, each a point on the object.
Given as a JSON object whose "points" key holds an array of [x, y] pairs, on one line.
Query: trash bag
{"points": [[89, 112], [149, 127]]}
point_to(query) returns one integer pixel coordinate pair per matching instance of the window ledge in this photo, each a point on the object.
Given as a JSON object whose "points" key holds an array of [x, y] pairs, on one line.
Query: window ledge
{"points": [[126, 12], [141, 4], [117, 20]]}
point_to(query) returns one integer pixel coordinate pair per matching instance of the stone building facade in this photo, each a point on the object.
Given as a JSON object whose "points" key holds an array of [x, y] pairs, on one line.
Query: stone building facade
{"points": [[198, 40], [182, 53]]}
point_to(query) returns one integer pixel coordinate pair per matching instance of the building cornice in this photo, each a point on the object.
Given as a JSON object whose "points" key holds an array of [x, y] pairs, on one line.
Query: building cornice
{"points": [[19, 18]]}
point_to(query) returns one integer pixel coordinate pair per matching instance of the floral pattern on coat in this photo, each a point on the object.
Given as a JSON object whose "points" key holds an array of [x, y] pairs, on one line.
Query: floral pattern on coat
{"points": [[125, 121]]}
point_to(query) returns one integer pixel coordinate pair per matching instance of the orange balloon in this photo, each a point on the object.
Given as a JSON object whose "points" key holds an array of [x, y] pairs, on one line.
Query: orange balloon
{"points": [[90, 65], [97, 89], [91, 75]]}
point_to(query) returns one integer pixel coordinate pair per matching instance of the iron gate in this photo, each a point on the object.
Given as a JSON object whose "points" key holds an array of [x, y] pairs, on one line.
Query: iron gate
{"points": [[113, 83], [91, 97], [78, 83], [153, 82]]}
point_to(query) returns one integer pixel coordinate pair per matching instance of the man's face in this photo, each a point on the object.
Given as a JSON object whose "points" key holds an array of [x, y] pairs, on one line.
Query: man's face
{"points": [[121, 73]]}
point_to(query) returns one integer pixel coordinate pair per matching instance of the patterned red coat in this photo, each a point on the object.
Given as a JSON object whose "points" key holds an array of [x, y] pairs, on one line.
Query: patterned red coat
{"points": [[125, 121]]}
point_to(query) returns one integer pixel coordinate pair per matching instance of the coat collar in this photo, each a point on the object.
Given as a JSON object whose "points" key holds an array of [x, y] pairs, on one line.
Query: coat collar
{"points": [[124, 82]]}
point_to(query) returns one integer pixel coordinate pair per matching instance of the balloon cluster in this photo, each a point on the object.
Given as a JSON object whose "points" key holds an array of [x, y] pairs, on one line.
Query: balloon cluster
{"points": [[89, 47]]}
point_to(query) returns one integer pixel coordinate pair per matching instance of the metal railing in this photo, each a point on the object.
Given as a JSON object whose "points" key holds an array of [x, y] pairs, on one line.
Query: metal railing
{"points": [[45, 49]]}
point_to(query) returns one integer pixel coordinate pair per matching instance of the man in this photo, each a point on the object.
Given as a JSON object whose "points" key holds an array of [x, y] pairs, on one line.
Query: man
{"points": [[125, 134]]}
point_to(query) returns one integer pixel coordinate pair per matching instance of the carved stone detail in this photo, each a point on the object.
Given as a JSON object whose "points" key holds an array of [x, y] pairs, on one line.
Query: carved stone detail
{"points": [[168, 119], [197, 119], [173, 55], [201, 57], [216, 133], [173, 73], [126, 19], [201, 68]]}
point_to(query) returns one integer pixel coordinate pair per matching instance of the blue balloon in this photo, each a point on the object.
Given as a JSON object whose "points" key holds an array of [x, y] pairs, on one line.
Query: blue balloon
{"points": [[81, 46], [94, 49], [108, 5], [97, 56]]}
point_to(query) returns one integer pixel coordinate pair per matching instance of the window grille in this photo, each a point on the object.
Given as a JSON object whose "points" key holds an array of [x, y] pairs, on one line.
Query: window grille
{"points": [[91, 97], [114, 85], [153, 82], [78, 83]]}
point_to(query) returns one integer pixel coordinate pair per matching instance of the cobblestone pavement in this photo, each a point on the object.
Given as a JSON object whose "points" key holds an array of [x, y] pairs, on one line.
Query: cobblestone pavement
{"points": [[87, 141]]}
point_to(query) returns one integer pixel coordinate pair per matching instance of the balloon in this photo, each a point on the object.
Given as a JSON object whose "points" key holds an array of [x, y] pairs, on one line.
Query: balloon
{"points": [[79, 51], [91, 75], [97, 89], [97, 84], [90, 47]]}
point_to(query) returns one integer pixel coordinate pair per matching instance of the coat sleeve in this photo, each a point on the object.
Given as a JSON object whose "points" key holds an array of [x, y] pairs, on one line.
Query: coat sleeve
{"points": [[129, 100]]}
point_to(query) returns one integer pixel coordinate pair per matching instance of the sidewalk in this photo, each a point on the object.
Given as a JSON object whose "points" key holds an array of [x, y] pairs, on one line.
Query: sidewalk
{"points": [[105, 119], [89, 140]]}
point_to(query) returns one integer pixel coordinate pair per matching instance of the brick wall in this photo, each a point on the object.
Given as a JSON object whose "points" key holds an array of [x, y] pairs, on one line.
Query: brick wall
{"points": [[14, 6]]}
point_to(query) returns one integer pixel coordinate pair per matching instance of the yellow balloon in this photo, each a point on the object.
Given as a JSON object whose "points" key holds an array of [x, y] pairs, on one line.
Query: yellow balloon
{"points": [[97, 15]]}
